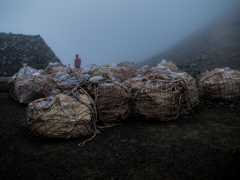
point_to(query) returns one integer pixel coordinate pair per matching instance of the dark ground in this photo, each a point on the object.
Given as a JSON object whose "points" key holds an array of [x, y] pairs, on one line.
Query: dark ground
{"points": [[194, 146]]}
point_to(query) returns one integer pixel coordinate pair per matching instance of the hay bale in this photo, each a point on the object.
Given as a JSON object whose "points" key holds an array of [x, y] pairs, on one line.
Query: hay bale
{"points": [[62, 116], [111, 99], [222, 84]]}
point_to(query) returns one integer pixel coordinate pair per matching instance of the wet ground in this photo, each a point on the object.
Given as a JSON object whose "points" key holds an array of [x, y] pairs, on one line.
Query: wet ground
{"points": [[194, 146]]}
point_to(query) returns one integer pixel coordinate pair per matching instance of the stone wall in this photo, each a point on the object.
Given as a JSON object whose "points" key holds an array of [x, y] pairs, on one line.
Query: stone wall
{"points": [[16, 49]]}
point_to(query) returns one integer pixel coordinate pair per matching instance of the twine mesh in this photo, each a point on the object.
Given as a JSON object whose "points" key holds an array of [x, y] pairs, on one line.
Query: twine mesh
{"points": [[112, 101], [31, 87], [4, 84], [164, 97], [65, 116], [222, 84]]}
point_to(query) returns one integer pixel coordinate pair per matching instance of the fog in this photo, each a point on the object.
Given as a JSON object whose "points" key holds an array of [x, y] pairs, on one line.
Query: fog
{"points": [[108, 31]]}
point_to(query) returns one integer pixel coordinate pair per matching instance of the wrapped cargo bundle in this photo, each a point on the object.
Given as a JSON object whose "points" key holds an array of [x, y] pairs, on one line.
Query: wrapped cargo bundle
{"points": [[53, 68], [222, 84], [109, 71], [67, 79], [63, 115], [23, 72], [32, 87], [111, 99], [188, 91], [128, 69], [164, 97], [129, 82], [163, 66], [142, 71]]}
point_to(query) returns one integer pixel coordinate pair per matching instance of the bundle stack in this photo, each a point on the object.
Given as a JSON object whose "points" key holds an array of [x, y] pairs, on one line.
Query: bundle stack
{"points": [[53, 68], [63, 116], [222, 84], [128, 69], [142, 71], [162, 67], [109, 71], [129, 82], [111, 99], [67, 79], [164, 97]]}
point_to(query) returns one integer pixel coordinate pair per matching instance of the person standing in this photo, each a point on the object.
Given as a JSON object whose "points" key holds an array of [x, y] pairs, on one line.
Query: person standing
{"points": [[77, 62]]}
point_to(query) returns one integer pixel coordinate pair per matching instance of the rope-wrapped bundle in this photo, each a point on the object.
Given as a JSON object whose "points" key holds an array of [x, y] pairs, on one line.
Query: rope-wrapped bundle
{"points": [[162, 67], [54, 68], [111, 99], [156, 99], [164, 97], [222, 84], [63, 115], [4, 87], [32, 87]]}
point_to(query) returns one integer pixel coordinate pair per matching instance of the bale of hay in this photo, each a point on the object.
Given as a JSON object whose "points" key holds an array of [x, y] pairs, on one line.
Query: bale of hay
{"points": [[164, 96], [111, 99], [32, 87], [63, 116], [222, 84]]}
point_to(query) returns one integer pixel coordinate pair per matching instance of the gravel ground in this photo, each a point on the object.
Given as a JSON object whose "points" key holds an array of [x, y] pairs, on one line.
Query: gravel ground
{"points": [[194, 146]]}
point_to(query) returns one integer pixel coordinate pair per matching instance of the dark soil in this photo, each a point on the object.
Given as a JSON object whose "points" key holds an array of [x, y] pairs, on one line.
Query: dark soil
{"points": [[194, 146]]}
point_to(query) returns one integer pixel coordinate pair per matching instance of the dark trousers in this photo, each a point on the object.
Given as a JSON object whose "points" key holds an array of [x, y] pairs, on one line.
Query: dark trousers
{"points": [[77, 67]]}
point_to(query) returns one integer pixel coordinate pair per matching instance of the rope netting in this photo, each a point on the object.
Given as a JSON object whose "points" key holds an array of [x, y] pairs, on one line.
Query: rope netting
{"points": [[4, 84], [164, 97], [111, 99], [31, 87], [223, 84], [70, 115]]}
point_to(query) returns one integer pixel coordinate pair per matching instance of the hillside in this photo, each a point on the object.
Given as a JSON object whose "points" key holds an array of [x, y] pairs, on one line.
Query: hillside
{"points": [[215, 45]]}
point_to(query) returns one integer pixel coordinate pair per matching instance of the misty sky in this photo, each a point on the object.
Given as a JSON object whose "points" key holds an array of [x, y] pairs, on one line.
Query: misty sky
{"points": [[108, 31]]}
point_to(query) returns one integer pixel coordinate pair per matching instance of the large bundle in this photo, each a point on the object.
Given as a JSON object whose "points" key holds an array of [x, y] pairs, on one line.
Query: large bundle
{"points": [[164, 97], [129, 82], [111, 99], [163, 66], [109, 71], [188, 90], [68, 79], [32, 87], [221, 84], [63, 116], [128, 69], [23, 72], [142, 71], [53, 68]]}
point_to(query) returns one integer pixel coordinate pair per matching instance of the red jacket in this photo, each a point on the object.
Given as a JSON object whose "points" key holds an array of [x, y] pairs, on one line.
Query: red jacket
{"points": [[77, 62]]}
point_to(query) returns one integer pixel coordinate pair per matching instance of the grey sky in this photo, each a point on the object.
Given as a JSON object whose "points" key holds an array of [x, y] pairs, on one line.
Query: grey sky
{"points": [[108, 31]]}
